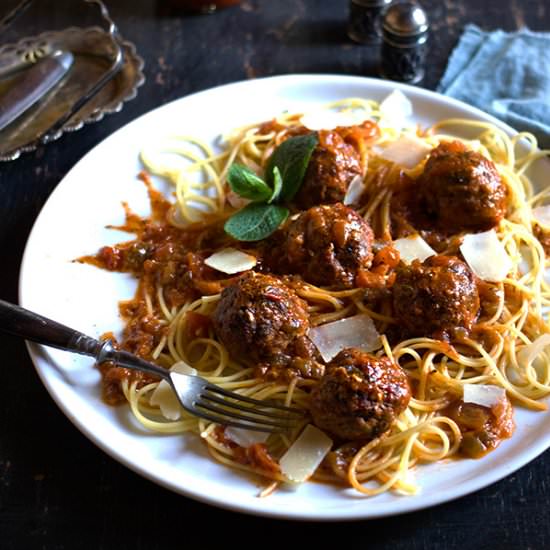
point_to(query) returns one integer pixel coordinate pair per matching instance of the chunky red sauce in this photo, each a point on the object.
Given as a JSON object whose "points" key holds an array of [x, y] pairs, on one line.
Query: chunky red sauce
{"points": [[160, 254], [257, 456], [483, 428]]}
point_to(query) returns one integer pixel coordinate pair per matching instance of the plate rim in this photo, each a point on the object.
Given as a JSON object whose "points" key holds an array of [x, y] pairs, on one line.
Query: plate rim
{"points": [[38, 356]]}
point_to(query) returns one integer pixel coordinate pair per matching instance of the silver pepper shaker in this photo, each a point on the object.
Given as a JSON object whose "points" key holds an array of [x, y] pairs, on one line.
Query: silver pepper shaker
{"points": [[405, 30], [364, 20]]}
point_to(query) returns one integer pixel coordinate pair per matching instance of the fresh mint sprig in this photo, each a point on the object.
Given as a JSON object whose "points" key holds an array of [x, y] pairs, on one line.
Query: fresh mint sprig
{"points": [[247, 184], [277, 185], [284, 174], [256, 221], [291, 158]]}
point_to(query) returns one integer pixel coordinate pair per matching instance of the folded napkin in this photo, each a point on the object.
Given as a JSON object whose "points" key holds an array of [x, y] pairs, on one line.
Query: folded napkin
{"points": [[504, 74]]}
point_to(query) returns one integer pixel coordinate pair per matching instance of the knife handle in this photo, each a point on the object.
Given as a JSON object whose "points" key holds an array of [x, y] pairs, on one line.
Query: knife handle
{"points": [[13, 63], [35, 83]]}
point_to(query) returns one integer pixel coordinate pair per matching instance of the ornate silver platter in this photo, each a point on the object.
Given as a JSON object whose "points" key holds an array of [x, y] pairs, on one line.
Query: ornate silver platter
{"points": [[98, 67]]}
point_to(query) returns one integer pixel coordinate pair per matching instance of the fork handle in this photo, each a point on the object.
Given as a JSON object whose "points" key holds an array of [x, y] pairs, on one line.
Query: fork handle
{"points": [[21, 322]]}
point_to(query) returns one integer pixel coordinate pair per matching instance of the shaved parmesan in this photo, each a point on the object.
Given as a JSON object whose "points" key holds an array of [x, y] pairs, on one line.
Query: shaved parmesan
{"points": [[515, 376], [245, 438], [396, 108], [164, 396], [413, 248], [541, 214], [526, 262], [328, 120], [528, 355], [486, 256], [533, 355], [407, 151], [354, 332], [355, 190], [485, 395], [236, 201], [230, 261], [305, 454]]}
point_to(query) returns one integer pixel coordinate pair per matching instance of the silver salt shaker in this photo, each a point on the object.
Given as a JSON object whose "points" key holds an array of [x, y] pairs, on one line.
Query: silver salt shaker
{"points": [[364, 20], [405, 30]]}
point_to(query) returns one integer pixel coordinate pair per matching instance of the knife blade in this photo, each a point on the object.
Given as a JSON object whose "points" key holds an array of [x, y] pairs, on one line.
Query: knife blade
{"points": [[37, 81]]}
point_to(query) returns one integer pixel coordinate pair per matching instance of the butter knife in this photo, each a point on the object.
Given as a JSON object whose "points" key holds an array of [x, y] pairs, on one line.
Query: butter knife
{"points": [[37, 81], [16, 62]]}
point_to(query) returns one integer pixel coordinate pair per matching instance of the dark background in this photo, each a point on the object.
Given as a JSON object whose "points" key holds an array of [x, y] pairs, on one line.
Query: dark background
{"points": [[57, 490]]}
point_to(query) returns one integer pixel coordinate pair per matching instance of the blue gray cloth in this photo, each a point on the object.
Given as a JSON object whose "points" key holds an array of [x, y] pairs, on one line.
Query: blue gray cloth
{"points": [[504, 74]]}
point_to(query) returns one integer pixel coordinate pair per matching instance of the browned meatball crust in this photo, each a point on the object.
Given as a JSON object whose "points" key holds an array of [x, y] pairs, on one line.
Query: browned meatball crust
{"points": [[333, 164], [328, 245], [462, 190], [259, 317], [435, 297], [360, 396]]}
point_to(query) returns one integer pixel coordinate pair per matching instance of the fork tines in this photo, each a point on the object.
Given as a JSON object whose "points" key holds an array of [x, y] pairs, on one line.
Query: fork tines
{"points": [[245, 412]]}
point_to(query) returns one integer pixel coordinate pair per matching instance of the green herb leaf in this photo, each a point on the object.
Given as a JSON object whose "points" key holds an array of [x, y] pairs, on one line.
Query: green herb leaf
{"points": [[255, 221], [291, 158], [277, 185], [247, 184]]}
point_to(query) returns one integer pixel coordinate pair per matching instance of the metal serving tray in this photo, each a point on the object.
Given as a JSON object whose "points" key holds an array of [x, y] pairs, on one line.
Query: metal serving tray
{"points": [[103, 63]]}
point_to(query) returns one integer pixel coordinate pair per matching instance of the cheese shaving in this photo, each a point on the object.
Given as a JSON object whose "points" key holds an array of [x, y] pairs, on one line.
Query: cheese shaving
{"points": [[305, 454], [407, 151], [354, 332], [230, 261], [413, 248], [164, 396], [485, 395], [486, 256]]}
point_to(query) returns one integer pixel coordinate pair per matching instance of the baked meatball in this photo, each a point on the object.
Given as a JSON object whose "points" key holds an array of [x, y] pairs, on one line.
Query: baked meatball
{"points": [[259, 317], [435, 297], [333, 164], [462, 190], [360, 396], [327, 245]]}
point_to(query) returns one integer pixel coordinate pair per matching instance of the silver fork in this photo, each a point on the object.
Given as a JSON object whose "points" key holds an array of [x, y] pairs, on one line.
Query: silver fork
{"points": [[196, 395]]}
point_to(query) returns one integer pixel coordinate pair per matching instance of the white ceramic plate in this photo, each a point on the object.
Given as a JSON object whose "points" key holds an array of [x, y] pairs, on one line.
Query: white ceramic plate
{"points": [[73, 222]]}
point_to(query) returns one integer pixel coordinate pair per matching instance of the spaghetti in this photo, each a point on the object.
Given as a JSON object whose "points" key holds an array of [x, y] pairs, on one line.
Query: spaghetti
{"points": [[170, 319]]}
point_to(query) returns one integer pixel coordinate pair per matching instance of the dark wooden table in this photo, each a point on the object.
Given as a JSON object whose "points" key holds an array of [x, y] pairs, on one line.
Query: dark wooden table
{"points": [[57, 490]]}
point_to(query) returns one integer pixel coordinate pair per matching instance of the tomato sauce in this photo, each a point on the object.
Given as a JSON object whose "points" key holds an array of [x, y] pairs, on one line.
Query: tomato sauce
{"points": [[160, 255]]}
